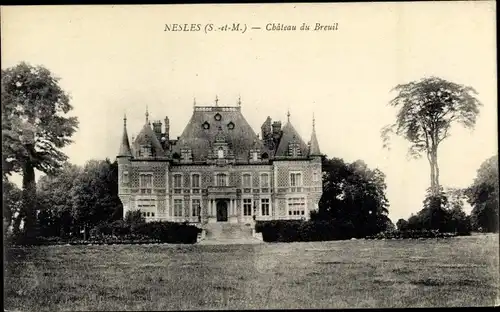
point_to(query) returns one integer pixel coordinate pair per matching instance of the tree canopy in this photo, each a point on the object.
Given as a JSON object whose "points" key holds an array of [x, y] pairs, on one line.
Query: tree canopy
{"points": [[427, 110], [354, 195], [483, 196], [34, 129]]}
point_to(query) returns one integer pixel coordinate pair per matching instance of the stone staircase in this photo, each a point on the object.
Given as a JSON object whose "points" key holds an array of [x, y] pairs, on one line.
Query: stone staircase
{"points": [[228, 233]]}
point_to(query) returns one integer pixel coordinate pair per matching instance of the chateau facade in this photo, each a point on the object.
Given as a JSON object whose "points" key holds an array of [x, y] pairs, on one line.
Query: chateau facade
{"points": [[219, 170]]}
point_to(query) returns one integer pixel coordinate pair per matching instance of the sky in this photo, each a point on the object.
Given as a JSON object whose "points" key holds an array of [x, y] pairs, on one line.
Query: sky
{"points": [[114, 60]]}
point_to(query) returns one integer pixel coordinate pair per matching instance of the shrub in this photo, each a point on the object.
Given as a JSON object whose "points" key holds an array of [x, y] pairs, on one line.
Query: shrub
{"points": [[305, 231]]}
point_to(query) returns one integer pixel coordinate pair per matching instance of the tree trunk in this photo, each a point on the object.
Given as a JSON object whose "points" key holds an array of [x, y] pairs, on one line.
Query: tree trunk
{"points": [[436, 170], [29, 199], [433, 172]]}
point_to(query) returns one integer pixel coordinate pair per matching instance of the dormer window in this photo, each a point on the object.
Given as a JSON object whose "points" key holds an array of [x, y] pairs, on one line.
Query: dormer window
{"points": [[145, 151], [220, 153], [294, 149], [255, 156]]}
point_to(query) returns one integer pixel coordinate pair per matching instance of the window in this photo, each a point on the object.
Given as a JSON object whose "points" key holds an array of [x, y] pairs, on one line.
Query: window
{"points": [[146, 183], [195, 181], [145, 151], [255, 156], [296, 206], [295, 182], [195, 207], [247, 180], [177, 207], [264, 203], [315, 176], [247, 206], [264, 180], [177, 181], [152, 214], [147, 214], [221, 179], [220, 153], [125, 177]]}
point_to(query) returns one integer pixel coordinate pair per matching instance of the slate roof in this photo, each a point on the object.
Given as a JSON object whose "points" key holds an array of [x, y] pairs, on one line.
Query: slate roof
{"points": [[314, 146], [147, 136], [241, 138], [289, 134], [125, 145]]}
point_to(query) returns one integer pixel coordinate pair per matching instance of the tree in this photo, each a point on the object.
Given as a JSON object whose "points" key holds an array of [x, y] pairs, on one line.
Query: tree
{"points": [[54, 200], [354, 194], [11, 204], [95, 194], [402, 225], [427, 110], [34, 129], [483, 196]]}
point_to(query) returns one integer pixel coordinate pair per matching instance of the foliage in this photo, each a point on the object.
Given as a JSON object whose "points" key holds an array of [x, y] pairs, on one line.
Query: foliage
{"points": [[353, 194], [54, 201], [297, 230], [134, 219], [442, 212], [34, 129], [11, 204], [95, 194], [483, 196], [427, 110], [169, 232]]}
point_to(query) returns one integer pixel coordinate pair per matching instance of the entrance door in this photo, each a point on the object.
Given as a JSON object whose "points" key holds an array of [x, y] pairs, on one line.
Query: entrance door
{"points": [[221, 211]]}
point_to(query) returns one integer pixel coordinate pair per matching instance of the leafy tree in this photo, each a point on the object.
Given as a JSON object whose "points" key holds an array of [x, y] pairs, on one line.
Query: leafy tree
{"points": [[354, 194], [402, 225], [11, 204], [34, 129], [134, 219], [483, 196], [53, 198], [427, 110], [95, 194]]}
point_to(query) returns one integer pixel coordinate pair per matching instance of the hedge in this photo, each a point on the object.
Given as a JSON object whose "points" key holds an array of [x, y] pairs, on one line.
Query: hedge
{"points": [[121, 233], [302, 231]]}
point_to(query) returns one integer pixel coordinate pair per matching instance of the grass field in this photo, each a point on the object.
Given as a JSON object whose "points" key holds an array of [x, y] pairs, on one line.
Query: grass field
{"points": [[343, 274]]}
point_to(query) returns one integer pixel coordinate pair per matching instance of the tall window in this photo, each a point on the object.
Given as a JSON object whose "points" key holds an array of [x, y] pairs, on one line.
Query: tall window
{"points": [[296, 182], [221, 179], [195, 181], [247, 206], [195, 207], [315, 175], [177, 181], [125, 177], [146, 183], [255, 156], [177, 207], [220, 152], [247, 180], [296, 206], [264, 204], [264, 180]]}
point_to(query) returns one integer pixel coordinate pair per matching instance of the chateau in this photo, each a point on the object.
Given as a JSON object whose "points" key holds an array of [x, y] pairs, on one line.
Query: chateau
{"points": [[219, 170]]}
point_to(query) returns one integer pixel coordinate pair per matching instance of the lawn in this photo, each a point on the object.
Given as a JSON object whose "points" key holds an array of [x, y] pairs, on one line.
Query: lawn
{"points": [[460, 271]]}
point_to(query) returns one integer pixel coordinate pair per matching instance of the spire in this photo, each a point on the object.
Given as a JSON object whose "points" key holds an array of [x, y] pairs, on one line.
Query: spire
{"points": [[216, 100], [147, 115], [239, 100], [125, 145], [314, 146], [194, 102], [288, 115]]}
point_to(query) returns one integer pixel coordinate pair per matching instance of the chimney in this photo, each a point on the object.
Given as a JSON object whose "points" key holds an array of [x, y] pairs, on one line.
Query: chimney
{"points": [[276, 128], [157, 129], [266, 130], [167, 129]]}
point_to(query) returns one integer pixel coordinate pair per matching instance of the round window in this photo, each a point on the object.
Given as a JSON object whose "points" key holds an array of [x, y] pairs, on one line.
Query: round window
{"points": [[206, 125], [230, 125], [218, 117]]}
